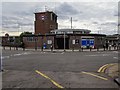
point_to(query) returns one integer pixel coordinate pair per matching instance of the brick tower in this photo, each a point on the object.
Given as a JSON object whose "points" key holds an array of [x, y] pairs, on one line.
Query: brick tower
{"points": [[45, 22]]}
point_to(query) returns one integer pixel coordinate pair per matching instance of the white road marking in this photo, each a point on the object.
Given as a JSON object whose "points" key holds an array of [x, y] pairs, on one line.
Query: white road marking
{"points": [[17, 54], [95, 55], [62, 53], [6, 57], [42, 52], [115, 51], [115, 57]]}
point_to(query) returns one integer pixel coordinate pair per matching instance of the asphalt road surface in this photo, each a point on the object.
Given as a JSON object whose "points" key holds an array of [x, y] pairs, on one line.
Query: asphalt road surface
{"points": [[35, 69]]}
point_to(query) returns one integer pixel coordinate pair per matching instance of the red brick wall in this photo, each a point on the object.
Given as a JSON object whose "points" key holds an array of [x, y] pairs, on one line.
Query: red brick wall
{"points": [[46, 25], [39, 43]]}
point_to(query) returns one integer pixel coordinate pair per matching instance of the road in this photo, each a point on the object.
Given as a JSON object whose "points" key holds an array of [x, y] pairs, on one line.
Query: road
{"points": [[35, 69]]}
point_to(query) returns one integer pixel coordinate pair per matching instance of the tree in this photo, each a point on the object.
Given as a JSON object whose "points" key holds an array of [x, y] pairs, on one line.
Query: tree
{"points": [[23, 34]]}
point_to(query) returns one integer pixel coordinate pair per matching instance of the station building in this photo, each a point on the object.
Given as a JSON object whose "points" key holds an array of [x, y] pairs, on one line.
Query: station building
{"points": [[47, 34]]}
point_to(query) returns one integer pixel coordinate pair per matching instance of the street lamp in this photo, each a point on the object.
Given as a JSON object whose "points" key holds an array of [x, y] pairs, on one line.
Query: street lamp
{"points": [[18, 25], [1, 66], [64, 41], [99, 30], [35, 42]]}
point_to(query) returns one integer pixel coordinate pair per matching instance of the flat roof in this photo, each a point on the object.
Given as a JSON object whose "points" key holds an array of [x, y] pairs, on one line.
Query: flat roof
{"points": [[70, 30], [66, 34], [45, 12]]}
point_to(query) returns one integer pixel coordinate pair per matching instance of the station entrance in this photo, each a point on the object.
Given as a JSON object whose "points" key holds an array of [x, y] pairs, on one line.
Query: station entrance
{"points": [[59, 43]]}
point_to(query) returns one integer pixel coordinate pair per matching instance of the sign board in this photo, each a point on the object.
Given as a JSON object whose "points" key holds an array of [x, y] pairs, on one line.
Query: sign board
{"points": [[92, 42], [84, 42], [87, 42], [49, 42], [73, 41]]}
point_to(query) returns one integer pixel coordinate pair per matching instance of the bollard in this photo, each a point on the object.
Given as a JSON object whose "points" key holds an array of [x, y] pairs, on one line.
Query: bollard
{"points": [[117, 48], [79, 49], [73, 49], [35, 48], [4, 47], [104, 48], [10, 47], [41, 48], [23, 48], [109, 48], [51, 47], [97, 49], [16, 48], [90, 48], [51, 50], [114, 47], [82, 49]]}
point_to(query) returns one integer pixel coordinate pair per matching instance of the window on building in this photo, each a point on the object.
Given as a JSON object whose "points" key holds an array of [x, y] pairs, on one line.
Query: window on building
{"points": [[32, 39], [77, 41]]}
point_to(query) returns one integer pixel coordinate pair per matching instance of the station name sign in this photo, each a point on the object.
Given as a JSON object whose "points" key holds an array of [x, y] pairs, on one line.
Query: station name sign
{"points": [[61, 36]]}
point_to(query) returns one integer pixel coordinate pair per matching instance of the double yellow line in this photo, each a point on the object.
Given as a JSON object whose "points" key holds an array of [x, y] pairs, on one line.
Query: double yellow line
{"points": [[104, 67]]}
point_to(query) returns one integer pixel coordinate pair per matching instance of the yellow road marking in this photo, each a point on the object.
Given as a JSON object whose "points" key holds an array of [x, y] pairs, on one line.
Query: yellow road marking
{"points": [[95, 75], [103, 70], [100, 69], [45, 76], [104, 67]]}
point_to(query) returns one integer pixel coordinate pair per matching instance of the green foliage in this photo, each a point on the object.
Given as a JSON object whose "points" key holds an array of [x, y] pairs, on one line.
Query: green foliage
{"points": [[23, 34]]}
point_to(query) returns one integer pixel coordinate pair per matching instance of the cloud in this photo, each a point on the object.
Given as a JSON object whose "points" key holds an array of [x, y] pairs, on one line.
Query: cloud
{"points": [[67, 9], [94, 22], [93, 14], [110, 23]]}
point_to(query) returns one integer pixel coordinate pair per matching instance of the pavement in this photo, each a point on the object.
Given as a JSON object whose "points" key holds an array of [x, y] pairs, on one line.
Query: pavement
{"points": [[113, 71], [58, 50]]}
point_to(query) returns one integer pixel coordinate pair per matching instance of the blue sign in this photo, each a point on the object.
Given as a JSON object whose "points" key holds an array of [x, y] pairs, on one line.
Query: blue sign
{"points": [[84, 42], [87, 42], [91, 42]]}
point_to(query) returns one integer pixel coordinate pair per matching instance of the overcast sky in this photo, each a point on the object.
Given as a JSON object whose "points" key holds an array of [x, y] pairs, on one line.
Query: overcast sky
{"points": [[99, 17]]}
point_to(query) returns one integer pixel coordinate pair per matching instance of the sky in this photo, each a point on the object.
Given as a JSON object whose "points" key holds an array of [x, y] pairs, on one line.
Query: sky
{"points": [[99, 17]]}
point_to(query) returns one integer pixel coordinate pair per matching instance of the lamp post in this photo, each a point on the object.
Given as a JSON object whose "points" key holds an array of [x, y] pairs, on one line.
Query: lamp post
{"points": [[18, 27], [64, 42], [1, 66], [35, 43]]}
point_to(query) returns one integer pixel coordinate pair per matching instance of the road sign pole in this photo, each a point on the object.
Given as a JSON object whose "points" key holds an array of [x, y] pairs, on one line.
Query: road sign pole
{"points": [[1, 67]]}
